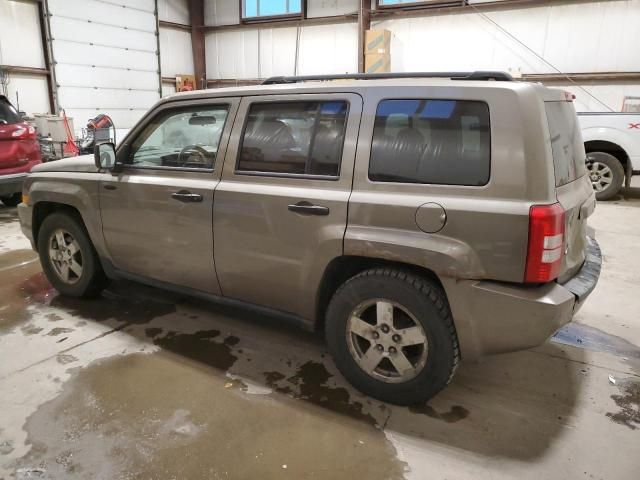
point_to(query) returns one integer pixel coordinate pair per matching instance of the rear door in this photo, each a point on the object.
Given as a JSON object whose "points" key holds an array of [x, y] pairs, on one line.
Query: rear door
{"points": [[573, 188], [280, 210]]}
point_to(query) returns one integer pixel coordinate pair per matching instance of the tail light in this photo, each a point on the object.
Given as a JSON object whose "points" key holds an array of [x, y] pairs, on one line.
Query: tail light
{"points": [[546, 243], [25, 132]]}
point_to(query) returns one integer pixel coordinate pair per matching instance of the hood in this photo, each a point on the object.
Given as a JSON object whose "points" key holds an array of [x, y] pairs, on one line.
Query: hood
{"points": [[84, 163]]}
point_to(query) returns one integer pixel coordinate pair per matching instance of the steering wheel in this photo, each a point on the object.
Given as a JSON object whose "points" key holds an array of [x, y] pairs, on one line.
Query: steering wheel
{"points": [[193, 154]]}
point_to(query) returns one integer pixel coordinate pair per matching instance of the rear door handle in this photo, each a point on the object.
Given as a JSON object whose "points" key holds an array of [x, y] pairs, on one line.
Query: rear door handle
{"points": [[306, 208], [186, 196]]}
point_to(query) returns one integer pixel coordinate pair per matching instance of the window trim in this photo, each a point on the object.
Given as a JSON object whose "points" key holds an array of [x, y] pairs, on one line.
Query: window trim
{"points": [[172, 108], [267, 18], [454, 185], [258, 173]]}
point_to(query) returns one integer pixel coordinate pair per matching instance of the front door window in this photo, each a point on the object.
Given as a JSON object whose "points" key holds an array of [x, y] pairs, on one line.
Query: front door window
{"points": [[184, 138]]}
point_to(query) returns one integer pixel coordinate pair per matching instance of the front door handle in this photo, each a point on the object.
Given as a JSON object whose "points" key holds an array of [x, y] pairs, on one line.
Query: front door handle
{"points": [[306, 208], [186, 196]]}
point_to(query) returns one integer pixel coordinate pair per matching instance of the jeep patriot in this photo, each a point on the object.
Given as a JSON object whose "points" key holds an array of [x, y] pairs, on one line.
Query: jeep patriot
{"points": [[415, 219]]}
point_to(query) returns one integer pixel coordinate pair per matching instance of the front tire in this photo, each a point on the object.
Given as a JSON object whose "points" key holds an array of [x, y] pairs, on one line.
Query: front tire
{"points": [[606, 174], [68, 258], [391, 334], [12, 200]]}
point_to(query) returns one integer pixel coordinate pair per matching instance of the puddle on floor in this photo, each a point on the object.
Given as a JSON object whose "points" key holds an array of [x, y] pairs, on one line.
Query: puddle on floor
{"points": [[23, 284], [590, 338], [162, 415], [628, 402]]}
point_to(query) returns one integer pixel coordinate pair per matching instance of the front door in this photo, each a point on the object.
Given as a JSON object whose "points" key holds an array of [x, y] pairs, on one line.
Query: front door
{"points": [[281, 207], [157, 212]]}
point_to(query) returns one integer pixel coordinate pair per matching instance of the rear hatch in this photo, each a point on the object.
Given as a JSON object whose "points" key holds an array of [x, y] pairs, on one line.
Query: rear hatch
{"points": [[573, 190], [9, 125]]}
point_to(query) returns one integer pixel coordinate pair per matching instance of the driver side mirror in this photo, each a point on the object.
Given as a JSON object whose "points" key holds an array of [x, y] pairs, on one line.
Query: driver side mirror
{"points": [[104, 155]]}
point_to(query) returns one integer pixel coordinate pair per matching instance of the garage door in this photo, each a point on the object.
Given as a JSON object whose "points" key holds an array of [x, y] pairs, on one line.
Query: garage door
{"points": [[105, 59]]}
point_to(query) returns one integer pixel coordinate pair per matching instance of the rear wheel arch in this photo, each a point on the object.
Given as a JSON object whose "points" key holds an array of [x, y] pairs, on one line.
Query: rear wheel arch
{"points": [[611, 148], [344, 267]]}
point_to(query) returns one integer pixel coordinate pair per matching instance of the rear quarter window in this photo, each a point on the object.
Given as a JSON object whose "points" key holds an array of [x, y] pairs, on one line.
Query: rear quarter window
{"points": [[8, 114], [427, 141], [567, 147]]}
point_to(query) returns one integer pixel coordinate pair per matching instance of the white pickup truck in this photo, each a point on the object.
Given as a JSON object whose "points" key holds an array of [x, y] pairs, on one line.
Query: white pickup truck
{"points": [[612, 142]]}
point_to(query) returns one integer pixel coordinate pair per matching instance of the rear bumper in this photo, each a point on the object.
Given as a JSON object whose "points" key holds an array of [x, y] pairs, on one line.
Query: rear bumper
{"points": [[10, 184], [493, 317]]}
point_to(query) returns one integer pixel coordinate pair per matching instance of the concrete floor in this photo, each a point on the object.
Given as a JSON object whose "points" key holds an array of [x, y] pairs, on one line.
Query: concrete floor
{"points": [[143, 384]]}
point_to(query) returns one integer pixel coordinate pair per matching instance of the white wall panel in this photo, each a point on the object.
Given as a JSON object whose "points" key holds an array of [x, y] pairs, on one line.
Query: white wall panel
{"points": [[277, 51], [221, 12], [175, 52], [327, 8], [232, 54], [168, 89], [328, 49], [19, 20], [612, 95], [584, 37], [74, 30], [176, 11], [86, 97], [89, 76], [77, 53], [106, 58], [100, 12], [34, 96]]}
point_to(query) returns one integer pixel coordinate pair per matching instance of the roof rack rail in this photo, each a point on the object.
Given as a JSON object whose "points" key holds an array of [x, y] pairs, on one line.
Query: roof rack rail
{"points": [[480, 75]]}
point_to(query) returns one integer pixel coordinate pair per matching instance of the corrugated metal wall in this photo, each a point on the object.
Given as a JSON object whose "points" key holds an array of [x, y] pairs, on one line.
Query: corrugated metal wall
{"points": [[175, 44], [19, 20], [573, 37]]}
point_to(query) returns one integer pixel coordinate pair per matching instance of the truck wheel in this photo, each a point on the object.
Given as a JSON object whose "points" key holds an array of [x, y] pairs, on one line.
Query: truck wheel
{"points": [[68, 258], [391, 335], [12, 200], [606, 174]]}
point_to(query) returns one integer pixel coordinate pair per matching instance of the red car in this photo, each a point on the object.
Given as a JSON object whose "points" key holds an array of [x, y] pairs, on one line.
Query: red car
{"points": [[19, 151]]}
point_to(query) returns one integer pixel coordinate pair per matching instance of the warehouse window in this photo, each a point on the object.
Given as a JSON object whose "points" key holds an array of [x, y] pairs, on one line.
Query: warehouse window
{"points": [[431, 141], [183, 138], [303, 138], [256, 9]]}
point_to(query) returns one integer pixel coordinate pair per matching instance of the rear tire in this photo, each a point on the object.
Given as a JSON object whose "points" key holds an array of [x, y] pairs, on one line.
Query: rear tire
{"points": [[68, 258], [398, 311], [606, 174], [12, 200]]}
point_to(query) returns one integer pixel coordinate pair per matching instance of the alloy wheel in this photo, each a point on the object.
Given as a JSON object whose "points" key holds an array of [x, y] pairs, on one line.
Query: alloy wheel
{"points": [[65, 256], [600, 175], [387, 341]]}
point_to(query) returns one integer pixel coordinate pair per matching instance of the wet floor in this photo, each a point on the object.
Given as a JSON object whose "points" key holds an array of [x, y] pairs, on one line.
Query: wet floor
{"points": [[143, 384]]}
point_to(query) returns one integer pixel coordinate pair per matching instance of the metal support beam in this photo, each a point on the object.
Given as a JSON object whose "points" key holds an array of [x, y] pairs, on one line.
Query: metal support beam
{"points": [[602, 77], [174, 25], [25, 70], [418, 10], [364, 24], [196, 19], [43, 15]]}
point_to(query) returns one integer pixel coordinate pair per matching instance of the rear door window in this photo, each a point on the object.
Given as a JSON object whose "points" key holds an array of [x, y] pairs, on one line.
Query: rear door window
{"points": [[299, 138], [8, 114], [444, 142], [566, 142]]}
